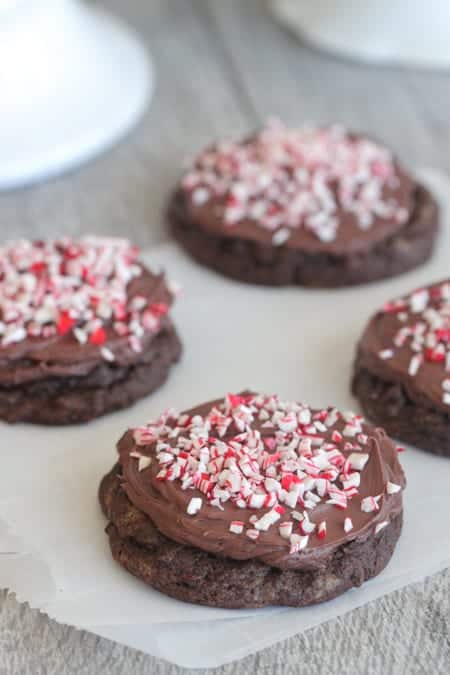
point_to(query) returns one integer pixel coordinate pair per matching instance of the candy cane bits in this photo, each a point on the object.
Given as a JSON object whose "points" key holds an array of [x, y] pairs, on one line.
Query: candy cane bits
{"points": [[402, 369], [255, 480], [317, 206], [82, 324]]}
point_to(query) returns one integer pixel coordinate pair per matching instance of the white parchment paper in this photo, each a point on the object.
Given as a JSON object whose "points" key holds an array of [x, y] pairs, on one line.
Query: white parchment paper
{"points": [[297, 342]]}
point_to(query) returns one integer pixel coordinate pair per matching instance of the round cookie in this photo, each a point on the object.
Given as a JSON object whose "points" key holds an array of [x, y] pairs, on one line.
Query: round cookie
{"points": [[315, 206], [84, 329], [252, 501], [402, 368]]}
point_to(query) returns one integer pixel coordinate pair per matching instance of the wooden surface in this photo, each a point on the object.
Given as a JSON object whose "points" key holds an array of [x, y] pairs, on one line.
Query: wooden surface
{"points": [[223, 66]]}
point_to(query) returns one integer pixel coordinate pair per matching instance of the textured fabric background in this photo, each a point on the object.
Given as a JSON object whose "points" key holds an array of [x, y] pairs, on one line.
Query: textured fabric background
{"points": [[223, 67]]}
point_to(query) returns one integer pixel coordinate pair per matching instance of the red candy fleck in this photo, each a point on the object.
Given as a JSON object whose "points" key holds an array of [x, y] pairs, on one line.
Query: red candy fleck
{"points": [[38, 267], [235, 400], [287, 481], [443, 335], [159, 308], [98, 337], [434, 356], [65, 323]]}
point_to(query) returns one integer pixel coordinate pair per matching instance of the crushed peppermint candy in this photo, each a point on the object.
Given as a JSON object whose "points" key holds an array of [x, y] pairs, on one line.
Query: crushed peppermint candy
{"points": [[281, 236], [284, 179], [279, 459], [369, 504], [194, 506], [424, 331], [392, 488], [298, 543], [74, 287], [322, 530], [348, 525], [285, 529], [143, 460]]}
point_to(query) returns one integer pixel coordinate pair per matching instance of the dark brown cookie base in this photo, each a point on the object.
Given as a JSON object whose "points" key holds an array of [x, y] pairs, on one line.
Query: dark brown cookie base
{"points": [[191, 575], [257, 263], [70, 400], [388, 405]]}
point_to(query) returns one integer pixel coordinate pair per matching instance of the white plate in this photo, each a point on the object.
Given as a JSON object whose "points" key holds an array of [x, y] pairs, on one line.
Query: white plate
{"points": [[74, 80]]}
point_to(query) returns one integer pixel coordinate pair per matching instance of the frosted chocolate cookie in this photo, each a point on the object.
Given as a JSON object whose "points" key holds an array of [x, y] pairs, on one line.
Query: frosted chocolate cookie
{"points": [[402, 368], [314, 206], [84, 329], [251, 501]]}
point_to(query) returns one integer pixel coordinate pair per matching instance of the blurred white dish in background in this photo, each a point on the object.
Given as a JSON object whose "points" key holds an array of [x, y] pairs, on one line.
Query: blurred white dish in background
{"points": [[73, 81], [408, 32]]}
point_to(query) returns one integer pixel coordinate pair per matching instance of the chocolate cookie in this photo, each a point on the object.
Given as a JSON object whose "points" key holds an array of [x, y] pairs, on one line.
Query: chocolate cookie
{"points": [[84, 329], [252, 501], [401, 374], [314, 207]]}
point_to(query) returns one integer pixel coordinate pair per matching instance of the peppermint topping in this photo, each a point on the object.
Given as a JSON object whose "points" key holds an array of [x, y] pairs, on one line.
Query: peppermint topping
{"points": [[78, 288], [143, 461], [392, 488], [261, 453], [322, 530], [286, 179], [298, 543], [369, 504], [424, 330], [194, 506], [285, 529], [237, 526]]}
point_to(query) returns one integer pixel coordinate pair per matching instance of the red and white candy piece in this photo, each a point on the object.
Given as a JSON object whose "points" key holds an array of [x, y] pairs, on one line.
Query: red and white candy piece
{"points": [[424, 332], [322, 530], [298, 543], [194, 506], [392, 488], [348, 525], [357, 460], [285, 529], [370, 504]]}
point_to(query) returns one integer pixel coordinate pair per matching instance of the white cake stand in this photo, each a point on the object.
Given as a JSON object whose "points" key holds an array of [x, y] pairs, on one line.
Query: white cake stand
{"points": [[73, 80], [406, 32]]}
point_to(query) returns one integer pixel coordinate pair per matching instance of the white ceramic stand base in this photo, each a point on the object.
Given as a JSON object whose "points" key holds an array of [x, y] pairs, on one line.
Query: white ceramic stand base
{"points": [[406, 32], [73, 81]]}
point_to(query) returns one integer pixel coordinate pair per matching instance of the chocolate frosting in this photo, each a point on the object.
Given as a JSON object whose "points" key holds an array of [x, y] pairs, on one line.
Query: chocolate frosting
{"points": [[350, 238], [165, 503], [399, 190], [378, 338], [62, 355]]}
